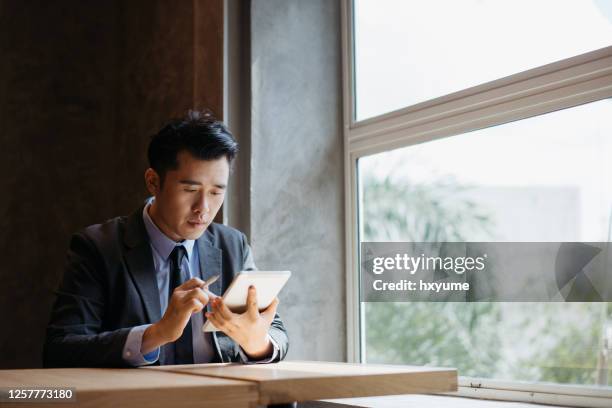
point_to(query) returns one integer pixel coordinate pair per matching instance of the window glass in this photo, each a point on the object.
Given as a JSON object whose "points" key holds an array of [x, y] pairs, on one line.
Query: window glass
{"points": [[546, 178], [412, 51]]}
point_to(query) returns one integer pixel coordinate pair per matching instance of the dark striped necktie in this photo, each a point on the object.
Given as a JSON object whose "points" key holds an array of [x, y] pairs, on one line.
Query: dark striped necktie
{"points": [[183, 347]]}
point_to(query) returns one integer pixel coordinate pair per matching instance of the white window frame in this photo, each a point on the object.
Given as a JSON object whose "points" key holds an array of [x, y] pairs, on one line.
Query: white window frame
{"points": [[563, 84]]}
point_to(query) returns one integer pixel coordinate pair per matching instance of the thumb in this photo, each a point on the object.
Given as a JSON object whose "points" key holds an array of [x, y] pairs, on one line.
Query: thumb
{"points": [[270, 311], [252, 308], [191, 284]]}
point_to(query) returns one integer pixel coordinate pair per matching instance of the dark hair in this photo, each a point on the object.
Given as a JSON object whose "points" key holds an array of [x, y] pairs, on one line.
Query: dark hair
{"points": [[199, 133]]}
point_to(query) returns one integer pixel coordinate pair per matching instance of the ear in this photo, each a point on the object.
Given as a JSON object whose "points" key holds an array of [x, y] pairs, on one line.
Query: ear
{"points": [[152, 181]]}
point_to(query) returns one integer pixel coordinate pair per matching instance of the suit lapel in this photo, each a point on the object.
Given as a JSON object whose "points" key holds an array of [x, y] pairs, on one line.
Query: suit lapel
{"points": [[140, 264], [210, 263], [139, 260]]}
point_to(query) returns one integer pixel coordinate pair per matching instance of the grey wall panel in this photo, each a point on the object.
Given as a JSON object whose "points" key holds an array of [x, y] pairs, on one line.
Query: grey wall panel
{"points": [[297, 218]]}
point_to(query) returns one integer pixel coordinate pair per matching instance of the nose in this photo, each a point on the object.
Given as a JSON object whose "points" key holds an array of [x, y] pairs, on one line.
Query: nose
{"points": [[202, 204]]}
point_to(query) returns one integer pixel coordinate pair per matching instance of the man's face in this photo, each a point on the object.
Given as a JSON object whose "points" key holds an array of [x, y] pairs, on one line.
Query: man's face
{"points": [[190, 197]]}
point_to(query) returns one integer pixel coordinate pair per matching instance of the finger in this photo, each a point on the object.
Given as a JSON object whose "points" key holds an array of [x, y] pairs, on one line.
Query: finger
{"points": [[191, 283], [222, 309], [252, 309], [194, 305], [220, 322], [212, 317], [199, 294], [270, 311], [211, 295]]}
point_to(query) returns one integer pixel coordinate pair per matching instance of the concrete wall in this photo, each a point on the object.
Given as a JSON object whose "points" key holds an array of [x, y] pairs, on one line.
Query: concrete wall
{"points": [[297, 218]]}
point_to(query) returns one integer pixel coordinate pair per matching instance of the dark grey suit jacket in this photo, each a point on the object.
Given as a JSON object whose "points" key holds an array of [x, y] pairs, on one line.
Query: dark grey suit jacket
{"points": [[109, 286]]}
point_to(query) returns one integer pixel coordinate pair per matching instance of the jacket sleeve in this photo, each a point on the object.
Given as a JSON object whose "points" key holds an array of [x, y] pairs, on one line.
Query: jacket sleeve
{"points": [[277, 328], [74, 336]]}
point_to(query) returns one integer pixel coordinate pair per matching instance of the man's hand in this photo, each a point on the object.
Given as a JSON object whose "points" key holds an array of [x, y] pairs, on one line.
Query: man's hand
{"points": [[188, 298], [249, 329]]}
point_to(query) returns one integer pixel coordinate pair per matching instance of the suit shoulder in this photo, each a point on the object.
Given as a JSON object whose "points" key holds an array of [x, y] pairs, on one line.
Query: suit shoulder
{"points": [[98, 245], [225, 230], [105, 239], [220, 232], [108, 230]]}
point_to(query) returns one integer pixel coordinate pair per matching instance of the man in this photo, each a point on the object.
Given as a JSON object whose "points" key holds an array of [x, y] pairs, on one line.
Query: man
{"points": [[133, 288]]}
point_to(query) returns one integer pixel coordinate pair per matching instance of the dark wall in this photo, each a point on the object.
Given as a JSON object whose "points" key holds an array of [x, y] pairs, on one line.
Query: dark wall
{"points": [[83, 84]]}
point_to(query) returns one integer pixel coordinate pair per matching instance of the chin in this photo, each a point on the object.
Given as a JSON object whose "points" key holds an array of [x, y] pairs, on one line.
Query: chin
{"points": [[193, 233]]}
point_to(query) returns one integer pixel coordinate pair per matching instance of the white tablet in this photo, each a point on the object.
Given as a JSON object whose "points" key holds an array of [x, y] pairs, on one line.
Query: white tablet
{"points": [[267, 283]]}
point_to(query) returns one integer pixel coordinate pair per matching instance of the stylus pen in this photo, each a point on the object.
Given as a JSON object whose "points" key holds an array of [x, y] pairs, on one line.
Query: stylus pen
{"points": [[210, 281]]}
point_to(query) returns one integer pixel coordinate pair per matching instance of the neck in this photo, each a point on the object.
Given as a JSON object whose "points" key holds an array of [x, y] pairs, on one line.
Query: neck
{"points": [[157, 220]]}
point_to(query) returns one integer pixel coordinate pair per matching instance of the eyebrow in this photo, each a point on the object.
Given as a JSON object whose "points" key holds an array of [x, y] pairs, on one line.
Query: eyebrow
{"points": [[197, 183]]}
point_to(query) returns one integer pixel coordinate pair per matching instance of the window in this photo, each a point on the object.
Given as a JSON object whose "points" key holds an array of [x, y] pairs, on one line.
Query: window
{"points": [[411, 51], [547, 178], [503, 135]]}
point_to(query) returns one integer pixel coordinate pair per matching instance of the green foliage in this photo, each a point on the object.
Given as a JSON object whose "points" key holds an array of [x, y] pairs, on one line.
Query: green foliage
{"points": [[573, 332], [436, 212], [460, 335]]}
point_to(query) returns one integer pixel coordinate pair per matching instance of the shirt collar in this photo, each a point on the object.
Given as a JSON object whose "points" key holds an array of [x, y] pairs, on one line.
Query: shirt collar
{"points": [[160, 241]]}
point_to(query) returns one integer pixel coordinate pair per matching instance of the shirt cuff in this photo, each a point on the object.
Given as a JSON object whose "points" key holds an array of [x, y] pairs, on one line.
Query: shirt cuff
{"points": [[275, 350], [131, 349]]}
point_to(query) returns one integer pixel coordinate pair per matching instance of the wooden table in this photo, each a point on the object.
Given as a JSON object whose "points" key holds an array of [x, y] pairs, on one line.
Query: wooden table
{"points": [[304, 380], [109, 387], [230, 385]]}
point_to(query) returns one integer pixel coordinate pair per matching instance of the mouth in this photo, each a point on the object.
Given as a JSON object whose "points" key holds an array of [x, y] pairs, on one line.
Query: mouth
{"points": [[197, 223]]}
